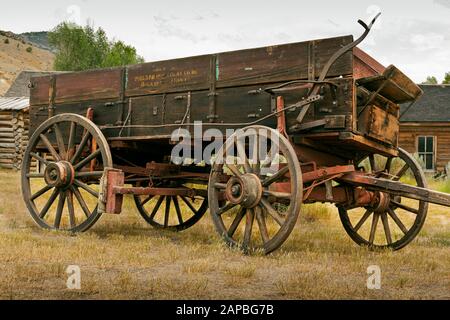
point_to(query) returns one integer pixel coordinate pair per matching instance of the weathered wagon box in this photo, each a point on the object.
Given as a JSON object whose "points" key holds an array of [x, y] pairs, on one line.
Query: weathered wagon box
{"points": [[221, 88], [153, 99]]}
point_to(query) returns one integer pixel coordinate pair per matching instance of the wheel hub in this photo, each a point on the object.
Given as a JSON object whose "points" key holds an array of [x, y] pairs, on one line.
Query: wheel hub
{"points": [[245, 190], [383, 202], [59, 174]]}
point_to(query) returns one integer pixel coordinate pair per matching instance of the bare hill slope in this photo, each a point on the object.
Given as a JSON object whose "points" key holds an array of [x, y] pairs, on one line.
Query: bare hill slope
{"points": [[16, 56]]}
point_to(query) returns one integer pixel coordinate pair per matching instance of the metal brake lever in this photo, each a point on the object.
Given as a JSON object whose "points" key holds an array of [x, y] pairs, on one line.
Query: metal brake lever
{"points": [[368, 27], [332, 60]]}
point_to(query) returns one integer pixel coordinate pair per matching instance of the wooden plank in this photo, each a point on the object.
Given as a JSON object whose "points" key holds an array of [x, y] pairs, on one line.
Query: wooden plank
{"points": [[89, 85], [358, 142], [378, 124], [399, 88], [39, 91], [280, 63], [168, 76]]}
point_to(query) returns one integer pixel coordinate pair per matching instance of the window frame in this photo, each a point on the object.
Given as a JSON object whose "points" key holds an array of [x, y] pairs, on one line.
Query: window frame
{"points": [[434, 153]]}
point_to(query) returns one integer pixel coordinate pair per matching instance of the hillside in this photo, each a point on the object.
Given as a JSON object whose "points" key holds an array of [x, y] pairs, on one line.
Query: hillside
{"points": [[39, 39], [17, 54]]}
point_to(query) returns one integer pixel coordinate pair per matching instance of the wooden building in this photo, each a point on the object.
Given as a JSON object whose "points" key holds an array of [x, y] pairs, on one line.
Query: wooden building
{"points": [[425, 128], [14, 124]]}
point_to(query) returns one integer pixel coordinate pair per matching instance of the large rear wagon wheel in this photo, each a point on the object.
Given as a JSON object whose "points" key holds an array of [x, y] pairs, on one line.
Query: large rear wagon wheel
{"points": [[174, 213], [396, 220], [73, 152], [255, 202]]}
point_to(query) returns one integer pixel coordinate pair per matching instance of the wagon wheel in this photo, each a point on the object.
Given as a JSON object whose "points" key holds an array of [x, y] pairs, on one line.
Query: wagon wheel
{"points": [[175, 213], [64, 195], [263, 188], [395, 221]]}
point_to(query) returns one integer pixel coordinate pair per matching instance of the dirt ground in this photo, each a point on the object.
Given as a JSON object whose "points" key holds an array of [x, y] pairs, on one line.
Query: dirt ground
{"points": [[123, 258]]}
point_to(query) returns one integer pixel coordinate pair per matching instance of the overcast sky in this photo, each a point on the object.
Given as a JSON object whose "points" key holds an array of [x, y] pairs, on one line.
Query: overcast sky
{"points": [[413, 35]]}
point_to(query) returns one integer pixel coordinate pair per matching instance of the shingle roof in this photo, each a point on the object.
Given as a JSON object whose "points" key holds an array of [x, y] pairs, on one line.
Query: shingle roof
{"points": [[433, 106], [19, 87], [16, 103]]}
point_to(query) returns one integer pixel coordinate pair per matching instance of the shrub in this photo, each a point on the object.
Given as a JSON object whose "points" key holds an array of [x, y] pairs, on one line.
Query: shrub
{"points": [[29, 49], [6, 41]]}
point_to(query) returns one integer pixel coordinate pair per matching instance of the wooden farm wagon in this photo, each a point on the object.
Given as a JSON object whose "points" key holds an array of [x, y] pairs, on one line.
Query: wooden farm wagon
{"points": [[326, 112]]}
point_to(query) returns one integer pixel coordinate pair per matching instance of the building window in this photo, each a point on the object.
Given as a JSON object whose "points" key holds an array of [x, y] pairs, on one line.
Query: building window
{"points": [[425, 149]]}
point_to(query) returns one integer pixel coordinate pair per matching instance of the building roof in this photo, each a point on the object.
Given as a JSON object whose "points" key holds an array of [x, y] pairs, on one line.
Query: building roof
{"points": [[19, 87], [14, 103], [433, 106]]}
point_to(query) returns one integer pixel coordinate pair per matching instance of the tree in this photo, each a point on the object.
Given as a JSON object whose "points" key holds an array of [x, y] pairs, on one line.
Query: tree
{"points": [[446, 78], [82, 48], [121, 54], [430, 80]]}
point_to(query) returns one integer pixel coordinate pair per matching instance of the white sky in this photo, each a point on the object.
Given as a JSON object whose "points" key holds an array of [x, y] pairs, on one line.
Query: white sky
{"points": [[413, 35]]}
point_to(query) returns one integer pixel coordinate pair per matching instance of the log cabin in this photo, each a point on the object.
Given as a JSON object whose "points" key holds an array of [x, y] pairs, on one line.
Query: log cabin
{"points": [[425, 128]]}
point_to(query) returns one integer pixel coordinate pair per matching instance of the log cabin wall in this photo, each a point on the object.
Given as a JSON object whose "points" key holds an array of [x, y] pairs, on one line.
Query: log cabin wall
{"points": [[14, 131], [408, 140], [428, 117]]}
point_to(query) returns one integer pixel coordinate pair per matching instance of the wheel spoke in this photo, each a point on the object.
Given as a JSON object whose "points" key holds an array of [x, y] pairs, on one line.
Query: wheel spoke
{"points": [[243, 156], [387, 231], [189, 204], [363, 219], [70, 144], [81, 146], [49, 203], [86, 187], [236, 221], [39, 158], [278, 195], [35, 175], [146, 200], [261, 219], [88, 174], [255, 156], [60, 141], [178, 211], [267, 162], [234, 169], [272, 212], [373, 228], [88, 159], [404, 207], [50, 148], [70, 206], [59, 209], [167, 212], [372, 163], [156, 208], [275, 177], [387, 167], [249, 217], [225, 208], [40, 192], [218, 185], [401, 172], [81, 201], [397, 220]]}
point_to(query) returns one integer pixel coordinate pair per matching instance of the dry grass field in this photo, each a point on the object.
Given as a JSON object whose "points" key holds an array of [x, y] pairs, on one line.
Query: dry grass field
{"points": [[123, 258]]}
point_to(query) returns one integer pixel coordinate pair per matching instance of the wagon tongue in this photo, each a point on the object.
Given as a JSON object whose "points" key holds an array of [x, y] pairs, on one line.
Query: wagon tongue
{"points": [[397, 188]]}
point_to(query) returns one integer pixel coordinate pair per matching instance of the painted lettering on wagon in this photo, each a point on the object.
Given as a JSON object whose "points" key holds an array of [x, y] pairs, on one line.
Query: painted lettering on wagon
{"points": [[173, 77]]}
